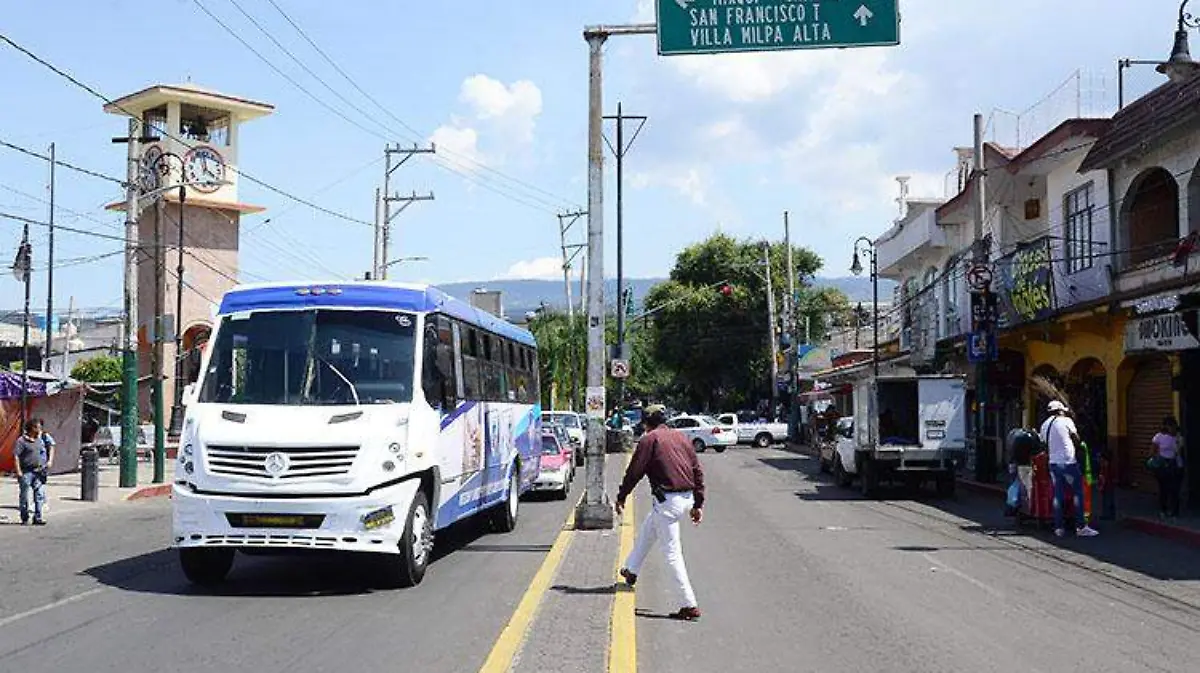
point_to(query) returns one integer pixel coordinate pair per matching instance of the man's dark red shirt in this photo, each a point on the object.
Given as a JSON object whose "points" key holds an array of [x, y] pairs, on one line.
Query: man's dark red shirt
{"points": [[667, 458]]}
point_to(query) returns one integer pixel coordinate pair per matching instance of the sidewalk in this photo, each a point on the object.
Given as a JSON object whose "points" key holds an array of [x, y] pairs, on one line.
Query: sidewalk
{"points": [[63, 491], [1136, 511]]}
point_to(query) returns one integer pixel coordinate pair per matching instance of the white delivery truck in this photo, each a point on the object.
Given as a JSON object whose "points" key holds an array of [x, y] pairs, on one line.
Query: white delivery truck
{"points": [[908, 427]]}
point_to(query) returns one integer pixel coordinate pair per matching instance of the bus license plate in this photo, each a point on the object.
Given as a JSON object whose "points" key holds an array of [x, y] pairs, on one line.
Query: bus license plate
{"points": [[273, 521], [378, 518]]}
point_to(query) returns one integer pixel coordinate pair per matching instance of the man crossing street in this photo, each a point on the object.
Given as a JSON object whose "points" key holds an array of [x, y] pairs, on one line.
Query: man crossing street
{"points": [[666, 457]]}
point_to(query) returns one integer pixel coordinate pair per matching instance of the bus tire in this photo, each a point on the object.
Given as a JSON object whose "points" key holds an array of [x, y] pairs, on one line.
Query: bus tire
{"points": [[206, 566], [504, 514], [407, 568]]}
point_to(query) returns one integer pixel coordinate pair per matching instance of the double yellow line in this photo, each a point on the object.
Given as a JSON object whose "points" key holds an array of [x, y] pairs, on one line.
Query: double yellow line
{"points": [[622, 646]]}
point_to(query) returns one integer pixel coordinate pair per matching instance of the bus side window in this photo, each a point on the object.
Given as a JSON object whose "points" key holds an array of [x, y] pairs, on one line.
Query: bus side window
{"points": [[446, 363], [460, 392], [433, 381], [471, 366], [535, 378]]}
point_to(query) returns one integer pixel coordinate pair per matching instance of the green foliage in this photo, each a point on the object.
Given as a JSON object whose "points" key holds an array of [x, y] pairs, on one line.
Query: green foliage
{"points": [[100, 369], [717, 345], [562, 349]]}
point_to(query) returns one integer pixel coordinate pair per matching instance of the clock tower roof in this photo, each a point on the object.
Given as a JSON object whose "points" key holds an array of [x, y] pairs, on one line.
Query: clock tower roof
{"points": [[154, 96]]}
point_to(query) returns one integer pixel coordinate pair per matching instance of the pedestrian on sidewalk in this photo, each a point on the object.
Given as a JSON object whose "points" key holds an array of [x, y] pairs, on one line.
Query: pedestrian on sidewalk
{"points": [[666, 457], [48, 445], [29, 459], [1167, 465], [1061, 438]]}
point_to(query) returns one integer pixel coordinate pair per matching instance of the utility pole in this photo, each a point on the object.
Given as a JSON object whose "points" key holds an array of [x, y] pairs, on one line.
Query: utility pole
{"points": [[23, 265], [129, 341], [177, 411], [771, 331], [385, 222], [569, 253], [981, 257], [619, 151], [595, 511], [50, 273], [790, 308], [156, 382], [377, 251]]}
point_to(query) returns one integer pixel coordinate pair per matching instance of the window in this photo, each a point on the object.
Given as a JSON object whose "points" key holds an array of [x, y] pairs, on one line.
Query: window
{"points": [[438, 371], [314, 357], [472, 375], [1077, 211]]}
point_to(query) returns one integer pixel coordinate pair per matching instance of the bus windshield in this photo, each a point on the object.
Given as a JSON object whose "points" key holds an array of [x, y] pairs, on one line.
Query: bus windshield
{"points": [[313, 357]]}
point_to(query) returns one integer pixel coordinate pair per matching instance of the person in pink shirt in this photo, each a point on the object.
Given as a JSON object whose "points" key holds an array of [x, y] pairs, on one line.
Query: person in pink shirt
{"points": [[1167, 464]]}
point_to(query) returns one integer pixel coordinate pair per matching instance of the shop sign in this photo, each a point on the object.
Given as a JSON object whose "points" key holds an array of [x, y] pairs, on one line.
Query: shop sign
{"points": [[1156, 304], [1174, 331], [1027, 284]]}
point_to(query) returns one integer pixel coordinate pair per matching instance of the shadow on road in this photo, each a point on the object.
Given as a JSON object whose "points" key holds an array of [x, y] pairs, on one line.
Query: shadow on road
{"points": [[606, 589]]}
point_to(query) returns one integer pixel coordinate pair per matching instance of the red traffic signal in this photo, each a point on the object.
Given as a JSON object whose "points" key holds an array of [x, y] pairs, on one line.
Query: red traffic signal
{"points": [[726, 290]]}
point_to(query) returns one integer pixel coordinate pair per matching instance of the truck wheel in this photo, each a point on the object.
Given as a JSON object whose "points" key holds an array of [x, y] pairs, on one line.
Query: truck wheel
{"points": [[206, 566], [762, 440], [504, 515], [869, 478], [946, 485], [407, 568], [699, 445], [840, 476]]}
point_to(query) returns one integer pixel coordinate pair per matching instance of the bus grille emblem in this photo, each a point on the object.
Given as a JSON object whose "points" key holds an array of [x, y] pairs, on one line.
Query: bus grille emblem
{"points": [[276, 464]]}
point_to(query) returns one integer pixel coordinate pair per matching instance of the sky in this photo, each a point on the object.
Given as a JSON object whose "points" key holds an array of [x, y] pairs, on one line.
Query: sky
{"points": [[731, 141]]}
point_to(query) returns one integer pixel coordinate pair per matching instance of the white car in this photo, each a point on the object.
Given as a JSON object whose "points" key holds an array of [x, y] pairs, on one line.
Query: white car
{"points": [[569, 420], [705, 431]]}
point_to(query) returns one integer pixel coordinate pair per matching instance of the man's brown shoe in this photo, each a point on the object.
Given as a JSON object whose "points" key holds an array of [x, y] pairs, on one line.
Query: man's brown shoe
{"points": [[686, 614]]}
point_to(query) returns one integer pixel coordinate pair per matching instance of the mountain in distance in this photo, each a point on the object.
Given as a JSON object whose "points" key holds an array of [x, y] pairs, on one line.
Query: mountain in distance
{"points": [[522, 296]]}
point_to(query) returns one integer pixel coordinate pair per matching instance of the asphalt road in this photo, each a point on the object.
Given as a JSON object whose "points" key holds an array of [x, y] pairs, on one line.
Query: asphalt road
{"points": [[101, 593], [795, 574]]}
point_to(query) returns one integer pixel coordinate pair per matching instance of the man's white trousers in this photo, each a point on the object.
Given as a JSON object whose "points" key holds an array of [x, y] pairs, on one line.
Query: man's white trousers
{"points": [[662, 525]]}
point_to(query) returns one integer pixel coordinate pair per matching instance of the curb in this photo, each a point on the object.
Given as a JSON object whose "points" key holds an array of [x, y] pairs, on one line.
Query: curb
{"points": [[986, 489], [1180, 534], [155, 491]]}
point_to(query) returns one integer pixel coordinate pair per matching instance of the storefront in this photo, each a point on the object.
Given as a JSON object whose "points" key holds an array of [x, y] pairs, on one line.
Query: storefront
{"points": [[1162, 330]]}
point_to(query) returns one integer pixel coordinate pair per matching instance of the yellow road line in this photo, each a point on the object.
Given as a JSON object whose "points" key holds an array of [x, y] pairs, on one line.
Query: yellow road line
{"points": [[500, 659], [622, 646]]}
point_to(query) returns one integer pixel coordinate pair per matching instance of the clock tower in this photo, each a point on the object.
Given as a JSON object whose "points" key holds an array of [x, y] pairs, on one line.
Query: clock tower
{"points": [[190, 179]]}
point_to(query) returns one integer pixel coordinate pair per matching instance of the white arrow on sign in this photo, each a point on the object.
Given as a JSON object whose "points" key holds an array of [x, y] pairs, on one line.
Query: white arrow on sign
{"points": [[863, 15], [684, 4]]}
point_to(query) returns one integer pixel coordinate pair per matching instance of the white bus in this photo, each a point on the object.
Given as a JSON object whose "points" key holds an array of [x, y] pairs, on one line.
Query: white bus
{"points": [[358, 417]]}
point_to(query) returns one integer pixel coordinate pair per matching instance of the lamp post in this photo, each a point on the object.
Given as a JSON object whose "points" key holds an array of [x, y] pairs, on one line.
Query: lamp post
{"points": [[398, 260], [856, 268], [1180, 66]]}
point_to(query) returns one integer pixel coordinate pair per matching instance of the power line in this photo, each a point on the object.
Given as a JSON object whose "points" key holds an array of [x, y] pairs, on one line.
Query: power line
{"points": [[58, 162], [557, 200], [108, 101], [84, 232]]}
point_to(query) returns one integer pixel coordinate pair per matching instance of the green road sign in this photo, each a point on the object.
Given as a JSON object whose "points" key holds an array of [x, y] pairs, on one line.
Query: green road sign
{"points": [[718, 26]]}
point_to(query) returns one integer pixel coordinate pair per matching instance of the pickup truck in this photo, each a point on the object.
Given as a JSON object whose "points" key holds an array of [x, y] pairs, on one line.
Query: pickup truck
{"points": [[761, 435], [909, 427]]}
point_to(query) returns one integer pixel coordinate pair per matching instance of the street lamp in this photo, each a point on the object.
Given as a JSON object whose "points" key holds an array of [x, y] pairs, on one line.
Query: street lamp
{"points": [[1180, 65], [404, 259], [856, 268]]}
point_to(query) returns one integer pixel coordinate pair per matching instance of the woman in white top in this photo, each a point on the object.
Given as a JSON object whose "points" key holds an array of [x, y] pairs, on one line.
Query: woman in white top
{"points": [[1168, 466]]}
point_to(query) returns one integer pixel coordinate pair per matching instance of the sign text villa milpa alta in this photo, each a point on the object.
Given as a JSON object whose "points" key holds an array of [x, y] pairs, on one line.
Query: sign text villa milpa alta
{"points": [[714, 26]]}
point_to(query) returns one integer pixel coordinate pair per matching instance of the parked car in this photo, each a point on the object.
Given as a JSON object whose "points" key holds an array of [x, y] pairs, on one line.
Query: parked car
{"points": [[759, 434], [827, 443], [574, 423], [556, 471], [704, 431], [576, 452]]}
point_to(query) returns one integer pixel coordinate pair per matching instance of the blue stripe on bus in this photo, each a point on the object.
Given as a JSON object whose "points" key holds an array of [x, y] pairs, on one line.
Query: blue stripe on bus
{"points": [[459, 411], [418, 299]]}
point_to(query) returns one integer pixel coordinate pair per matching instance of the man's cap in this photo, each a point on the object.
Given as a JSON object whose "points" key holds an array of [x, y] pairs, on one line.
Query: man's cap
{"points": [[655, 410], [1055, 406]]}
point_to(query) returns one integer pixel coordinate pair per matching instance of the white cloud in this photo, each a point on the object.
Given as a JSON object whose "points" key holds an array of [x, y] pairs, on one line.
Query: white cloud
{"points": [[541, 268], [688, 181], [514, 108], [460, 141]]}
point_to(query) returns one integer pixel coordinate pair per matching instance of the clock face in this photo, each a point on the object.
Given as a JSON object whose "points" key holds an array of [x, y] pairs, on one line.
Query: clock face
{"points": [[148, 169], [204, 165]]}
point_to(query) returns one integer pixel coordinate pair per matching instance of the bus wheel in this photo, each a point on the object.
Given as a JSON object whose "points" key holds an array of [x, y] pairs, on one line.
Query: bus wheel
{"points": [[206, 566], [504, 516], [407, 568]]}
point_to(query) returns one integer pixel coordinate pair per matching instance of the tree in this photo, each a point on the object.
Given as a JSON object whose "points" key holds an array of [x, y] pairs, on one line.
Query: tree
{"points": [[100, 369], [562, 348], [715, 341]]}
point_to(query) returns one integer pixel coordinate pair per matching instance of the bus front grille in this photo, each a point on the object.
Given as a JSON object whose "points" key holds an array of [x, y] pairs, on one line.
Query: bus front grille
{"points": [[298, 461]]}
